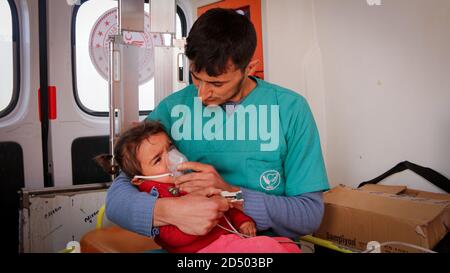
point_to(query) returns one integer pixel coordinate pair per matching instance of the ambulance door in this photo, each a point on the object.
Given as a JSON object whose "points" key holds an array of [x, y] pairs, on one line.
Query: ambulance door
{"points": [[20, 130]]}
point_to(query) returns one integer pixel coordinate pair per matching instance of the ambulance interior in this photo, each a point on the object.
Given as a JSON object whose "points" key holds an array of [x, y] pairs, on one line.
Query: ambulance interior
{"points": [[374, 72]]}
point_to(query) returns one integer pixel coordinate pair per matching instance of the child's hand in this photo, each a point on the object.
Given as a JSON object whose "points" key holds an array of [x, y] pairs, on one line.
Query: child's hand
{"points": [[248, 228]]}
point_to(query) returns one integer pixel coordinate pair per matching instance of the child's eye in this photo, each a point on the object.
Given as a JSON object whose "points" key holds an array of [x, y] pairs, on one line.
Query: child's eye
{"points": [[157, 161]]}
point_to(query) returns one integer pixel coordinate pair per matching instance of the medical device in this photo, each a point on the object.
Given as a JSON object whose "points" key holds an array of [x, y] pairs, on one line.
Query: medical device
{"points": [[149, 177], [232, 196], [175, 159]]}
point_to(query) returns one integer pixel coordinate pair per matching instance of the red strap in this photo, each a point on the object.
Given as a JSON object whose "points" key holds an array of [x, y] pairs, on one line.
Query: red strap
{"points": [[51, 103]]}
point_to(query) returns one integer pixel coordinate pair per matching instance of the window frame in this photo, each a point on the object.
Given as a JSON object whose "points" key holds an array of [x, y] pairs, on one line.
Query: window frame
{"points": [[85, 109], [16, 60]]}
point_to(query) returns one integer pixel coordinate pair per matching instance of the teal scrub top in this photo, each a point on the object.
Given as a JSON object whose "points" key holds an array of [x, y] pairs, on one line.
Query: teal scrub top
{"points": [[270, 143]]}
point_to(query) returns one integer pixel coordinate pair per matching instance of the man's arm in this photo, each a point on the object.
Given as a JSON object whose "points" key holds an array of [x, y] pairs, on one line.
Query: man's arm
{"points": [[287, 216], [196, 213], [129, 208]]}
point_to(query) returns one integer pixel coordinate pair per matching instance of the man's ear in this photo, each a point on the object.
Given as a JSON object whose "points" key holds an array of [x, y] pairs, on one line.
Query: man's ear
{"points": [[251, 67]]}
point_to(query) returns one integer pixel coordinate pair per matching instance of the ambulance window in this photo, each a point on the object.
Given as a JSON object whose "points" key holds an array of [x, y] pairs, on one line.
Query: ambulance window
{"points": [[9, 45], [90, 22]]}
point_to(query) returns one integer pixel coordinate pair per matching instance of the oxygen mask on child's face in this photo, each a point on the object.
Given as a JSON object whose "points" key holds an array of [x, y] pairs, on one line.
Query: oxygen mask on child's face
{"points": [[176, 158]]}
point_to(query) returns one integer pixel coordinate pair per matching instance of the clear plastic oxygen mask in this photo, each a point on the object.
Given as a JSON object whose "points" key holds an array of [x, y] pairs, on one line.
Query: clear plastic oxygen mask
{"points": [[175, 158]]}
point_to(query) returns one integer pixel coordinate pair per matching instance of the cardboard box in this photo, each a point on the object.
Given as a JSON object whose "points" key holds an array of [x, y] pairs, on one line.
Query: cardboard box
{"points": [[354, 217]]}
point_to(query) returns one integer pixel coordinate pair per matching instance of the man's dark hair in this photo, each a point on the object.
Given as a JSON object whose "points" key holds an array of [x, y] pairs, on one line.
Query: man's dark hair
{"points": [[218, 36]]}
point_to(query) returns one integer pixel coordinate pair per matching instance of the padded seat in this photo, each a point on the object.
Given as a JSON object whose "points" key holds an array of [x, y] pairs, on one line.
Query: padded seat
{"points": [[115, 239]]}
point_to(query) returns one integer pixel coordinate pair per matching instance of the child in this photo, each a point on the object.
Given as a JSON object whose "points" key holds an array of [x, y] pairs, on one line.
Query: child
{"points": [[145, 150]]}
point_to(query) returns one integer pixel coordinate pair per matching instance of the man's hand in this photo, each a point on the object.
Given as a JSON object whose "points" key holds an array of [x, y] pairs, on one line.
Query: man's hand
{"points": [[204, 176], [248, 228], [195, 213]]}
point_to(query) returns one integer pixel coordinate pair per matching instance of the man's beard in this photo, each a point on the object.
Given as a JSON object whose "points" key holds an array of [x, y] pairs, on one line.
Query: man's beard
{"points": [[238, 89]]}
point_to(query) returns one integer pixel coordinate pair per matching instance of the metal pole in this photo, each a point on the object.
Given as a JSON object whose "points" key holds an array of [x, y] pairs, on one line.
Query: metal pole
{"points": [[112, 107], [122, 71], [119, 17]]}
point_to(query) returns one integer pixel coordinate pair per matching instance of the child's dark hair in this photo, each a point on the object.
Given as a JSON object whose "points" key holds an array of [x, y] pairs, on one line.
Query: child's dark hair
{"points": [[126, 147]]}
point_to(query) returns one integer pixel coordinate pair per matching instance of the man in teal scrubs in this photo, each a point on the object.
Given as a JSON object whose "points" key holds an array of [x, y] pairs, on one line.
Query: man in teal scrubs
{"points": [[240, 134]]}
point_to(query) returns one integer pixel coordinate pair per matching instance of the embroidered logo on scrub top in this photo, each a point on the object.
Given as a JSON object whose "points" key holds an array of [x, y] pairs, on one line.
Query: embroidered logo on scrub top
{"points": [[270, 180]]}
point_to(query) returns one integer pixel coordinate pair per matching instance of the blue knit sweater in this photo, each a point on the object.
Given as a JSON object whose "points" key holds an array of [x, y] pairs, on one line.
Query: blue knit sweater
{"points": [[285, 216]]}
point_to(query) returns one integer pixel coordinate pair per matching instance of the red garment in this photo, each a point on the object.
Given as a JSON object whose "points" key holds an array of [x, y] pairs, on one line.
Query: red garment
{"points": [[174, 240]]}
